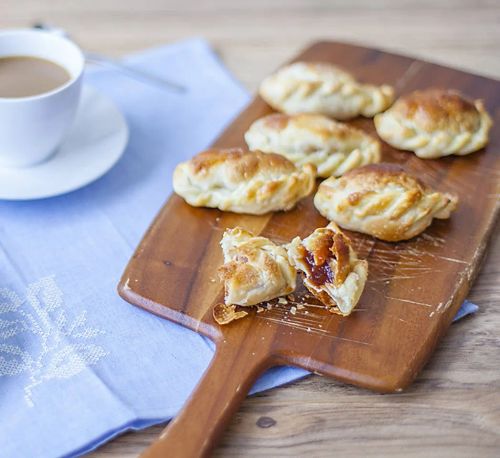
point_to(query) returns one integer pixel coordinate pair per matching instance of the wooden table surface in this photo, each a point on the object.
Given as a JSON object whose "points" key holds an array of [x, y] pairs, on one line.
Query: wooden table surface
{"points": [[453, 409]]}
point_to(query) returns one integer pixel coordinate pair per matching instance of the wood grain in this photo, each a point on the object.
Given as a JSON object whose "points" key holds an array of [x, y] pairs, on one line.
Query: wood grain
{"points": [[399, 319], [453, 408]]}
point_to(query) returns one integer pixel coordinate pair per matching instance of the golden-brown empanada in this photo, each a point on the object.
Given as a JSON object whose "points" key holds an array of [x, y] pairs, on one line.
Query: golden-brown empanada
{"points": [[435, 123], [382, 200], [320, 87], [242, 181], [333, 147], [255, 269], [333, 272]]}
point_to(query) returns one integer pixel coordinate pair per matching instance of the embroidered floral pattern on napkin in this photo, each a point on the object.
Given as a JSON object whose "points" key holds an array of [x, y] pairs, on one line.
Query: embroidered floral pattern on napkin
{"points": [[64, 347]]}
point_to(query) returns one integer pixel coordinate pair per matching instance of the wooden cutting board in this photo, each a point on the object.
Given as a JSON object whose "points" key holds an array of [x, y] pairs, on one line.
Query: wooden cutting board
{"points": [[413, 291]]}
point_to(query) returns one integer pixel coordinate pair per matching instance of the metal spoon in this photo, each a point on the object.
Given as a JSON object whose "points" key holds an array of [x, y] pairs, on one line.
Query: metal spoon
{"points": [[99, 59]]}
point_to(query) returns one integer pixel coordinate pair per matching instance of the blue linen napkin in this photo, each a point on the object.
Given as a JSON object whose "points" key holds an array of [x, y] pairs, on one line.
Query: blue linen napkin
{"points": [[77, 364]]}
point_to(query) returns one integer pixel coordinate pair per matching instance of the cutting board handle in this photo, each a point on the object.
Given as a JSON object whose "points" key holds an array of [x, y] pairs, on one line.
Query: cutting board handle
{"points": [[202, 420]]}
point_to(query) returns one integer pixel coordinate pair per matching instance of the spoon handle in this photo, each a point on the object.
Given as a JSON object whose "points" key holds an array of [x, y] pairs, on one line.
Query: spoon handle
{"points": [[133, 72]]}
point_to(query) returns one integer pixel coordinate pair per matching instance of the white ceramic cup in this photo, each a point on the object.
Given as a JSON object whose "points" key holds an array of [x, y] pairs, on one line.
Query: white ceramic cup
{"points": [[31, 128]]}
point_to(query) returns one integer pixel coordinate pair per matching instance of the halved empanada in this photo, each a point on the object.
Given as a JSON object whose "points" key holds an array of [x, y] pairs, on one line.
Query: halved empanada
{"points": [[255, 269], [333, 272]]}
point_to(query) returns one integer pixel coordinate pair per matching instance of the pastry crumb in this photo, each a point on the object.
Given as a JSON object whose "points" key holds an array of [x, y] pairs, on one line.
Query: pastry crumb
{"points": [[282, 300], [224, 314]]}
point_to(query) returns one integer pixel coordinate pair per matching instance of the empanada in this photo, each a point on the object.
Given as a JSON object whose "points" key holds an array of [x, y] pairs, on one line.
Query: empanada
{"points": [[435, 123], [320, 87], [333, 147], [255, 269], [333, 272], [382, 200], [242, 181]]}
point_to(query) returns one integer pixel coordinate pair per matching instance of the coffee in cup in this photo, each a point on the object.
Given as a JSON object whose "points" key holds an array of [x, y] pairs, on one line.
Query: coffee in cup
{"points": [[26, 76]]}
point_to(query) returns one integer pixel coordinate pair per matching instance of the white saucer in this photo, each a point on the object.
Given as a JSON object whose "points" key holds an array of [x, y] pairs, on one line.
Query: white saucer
{"points": [[94, 144]]}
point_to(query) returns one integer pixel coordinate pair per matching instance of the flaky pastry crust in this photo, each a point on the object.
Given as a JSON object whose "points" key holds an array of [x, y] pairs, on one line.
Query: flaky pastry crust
{"points": [[255, 269], [333, 147], [382, 200], [435, 123], [333, 272], [242, 181], [320, 87], [226, 313]]}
